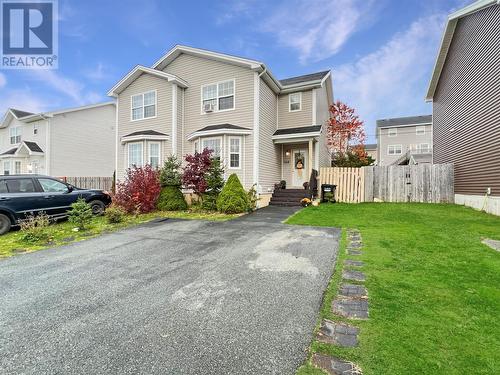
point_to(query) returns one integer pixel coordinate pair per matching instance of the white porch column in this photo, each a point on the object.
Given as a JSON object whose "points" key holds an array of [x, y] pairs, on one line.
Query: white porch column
{"points": [[310, 160]]}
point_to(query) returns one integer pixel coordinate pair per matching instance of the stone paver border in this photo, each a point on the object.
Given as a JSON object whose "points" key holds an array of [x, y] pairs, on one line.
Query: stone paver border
{"points": [[335, 366], [340, 334]]}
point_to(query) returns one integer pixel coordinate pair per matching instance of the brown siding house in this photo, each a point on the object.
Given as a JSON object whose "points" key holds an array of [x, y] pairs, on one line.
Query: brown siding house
{"points": [[465, 92]]}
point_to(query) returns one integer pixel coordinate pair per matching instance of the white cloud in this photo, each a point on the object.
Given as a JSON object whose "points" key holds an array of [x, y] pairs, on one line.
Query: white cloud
{"points": [[24, 100], [318, 29], [69, 87], [99, 73], [3, 80], [392, 80]]}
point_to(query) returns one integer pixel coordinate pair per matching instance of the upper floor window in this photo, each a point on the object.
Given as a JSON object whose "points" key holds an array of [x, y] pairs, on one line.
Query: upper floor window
{"points": [[295, 101], [420, 130], [218, 96], [144, 105], [15, 135], [235, 152], [35, 129], [392, 132], [424, 148], [395, 149], [135, 154]]}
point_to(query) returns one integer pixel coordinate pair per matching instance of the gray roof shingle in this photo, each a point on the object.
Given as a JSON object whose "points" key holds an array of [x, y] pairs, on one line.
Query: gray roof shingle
{"points": [[299, 130], [12, 151], [145, 132], [33, 146], [399, 121], [19, 113], [221, 126], [304, 78]]}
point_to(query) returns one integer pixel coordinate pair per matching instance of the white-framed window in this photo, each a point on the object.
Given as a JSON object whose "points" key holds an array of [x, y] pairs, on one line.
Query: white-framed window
{"points": [[220, 95], [143, 105], [17, 167], [394, 149], [420, 130], [392, 132], [235, 152], [295, 102], [424, 147], [135, 154], [154, 154], [15, 135], [196, 146], [6, 167], [214, 144], [35, 129]]}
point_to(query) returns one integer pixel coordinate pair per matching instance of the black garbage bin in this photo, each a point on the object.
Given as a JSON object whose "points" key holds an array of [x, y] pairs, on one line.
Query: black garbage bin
{"points": [[327, 188]]}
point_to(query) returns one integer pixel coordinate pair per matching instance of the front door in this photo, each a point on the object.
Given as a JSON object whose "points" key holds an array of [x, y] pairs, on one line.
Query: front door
{"points": [[299, 167]]}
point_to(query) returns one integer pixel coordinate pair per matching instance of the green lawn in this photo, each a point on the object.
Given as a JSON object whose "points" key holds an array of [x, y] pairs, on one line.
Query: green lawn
{"points": [[62, 233], [434, 288]]}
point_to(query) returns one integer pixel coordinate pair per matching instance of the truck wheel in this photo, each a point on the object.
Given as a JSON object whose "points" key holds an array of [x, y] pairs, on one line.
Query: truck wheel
{"points": [[5, 224], [98, 207]]}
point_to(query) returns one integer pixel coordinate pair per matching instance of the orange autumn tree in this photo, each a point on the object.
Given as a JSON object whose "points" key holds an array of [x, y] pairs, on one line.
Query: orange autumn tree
{"points": [[346, 136]]}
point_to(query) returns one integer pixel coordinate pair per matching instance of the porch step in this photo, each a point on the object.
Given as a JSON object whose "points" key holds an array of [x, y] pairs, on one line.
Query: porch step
{"points": [[288, 197]]}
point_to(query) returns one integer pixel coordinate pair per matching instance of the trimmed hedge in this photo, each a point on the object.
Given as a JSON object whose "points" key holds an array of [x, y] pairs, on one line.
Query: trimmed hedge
{"points": [[233, 199], [171, 199]]}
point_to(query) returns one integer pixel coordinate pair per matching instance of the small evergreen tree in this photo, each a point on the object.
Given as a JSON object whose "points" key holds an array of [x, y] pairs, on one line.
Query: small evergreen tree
{"points": [[233, 198], [214, 178], [171, 199], [80, 214], [170, 175]]}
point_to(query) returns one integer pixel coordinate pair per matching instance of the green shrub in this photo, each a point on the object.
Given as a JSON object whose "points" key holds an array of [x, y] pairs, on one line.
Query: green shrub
{"points": [[34, 228], [171, 199], [252, 198], [114, 214], [233, 198], [170, 175], [80, 214]]}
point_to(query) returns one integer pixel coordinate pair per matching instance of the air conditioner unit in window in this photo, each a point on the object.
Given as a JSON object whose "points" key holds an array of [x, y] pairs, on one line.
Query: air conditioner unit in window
{"points": [[209, 107]]}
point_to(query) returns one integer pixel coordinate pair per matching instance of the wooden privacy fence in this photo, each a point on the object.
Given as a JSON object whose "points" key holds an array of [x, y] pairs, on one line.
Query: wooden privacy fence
{"points": [[100, 183], [429, 183], [349, 181]]}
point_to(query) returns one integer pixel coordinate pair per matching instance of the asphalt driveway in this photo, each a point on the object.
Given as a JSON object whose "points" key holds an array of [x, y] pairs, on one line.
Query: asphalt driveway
{"points": [[176, 297]]}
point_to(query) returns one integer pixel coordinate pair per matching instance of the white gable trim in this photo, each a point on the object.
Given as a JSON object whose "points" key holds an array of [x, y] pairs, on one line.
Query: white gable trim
{"points": [[137, 72], [447, 39]]}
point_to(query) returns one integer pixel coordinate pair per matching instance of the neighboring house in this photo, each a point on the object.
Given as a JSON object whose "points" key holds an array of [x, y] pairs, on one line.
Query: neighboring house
{"points": [[465, 95], [371, 150], [77, 142], [404, 140], [263, 129]]}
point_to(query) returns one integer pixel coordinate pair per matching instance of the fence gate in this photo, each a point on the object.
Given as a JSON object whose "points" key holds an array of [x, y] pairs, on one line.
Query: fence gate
{"points": [[350, 183]]}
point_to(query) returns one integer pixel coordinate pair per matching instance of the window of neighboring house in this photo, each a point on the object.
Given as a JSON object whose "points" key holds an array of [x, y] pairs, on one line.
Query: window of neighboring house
{"points": [[3, 187], [295, 101], [52, 186], [154, 154], [219, 95], [395, 149], [424, 147], [17, 167], [33, 167], [135, 154], [35, 129], [6, 167], [213, 144], [144, 105], [235, 152], [420, 130], [392, 132], [15, 135]]}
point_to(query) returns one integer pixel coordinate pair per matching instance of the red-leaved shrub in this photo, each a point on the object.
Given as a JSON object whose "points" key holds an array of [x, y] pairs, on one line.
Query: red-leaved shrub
{"points": [[140, 190], [195, 171]]}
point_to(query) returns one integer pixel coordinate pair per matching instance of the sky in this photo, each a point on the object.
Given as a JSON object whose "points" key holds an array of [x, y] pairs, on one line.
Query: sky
{"points": [[381, 52]]}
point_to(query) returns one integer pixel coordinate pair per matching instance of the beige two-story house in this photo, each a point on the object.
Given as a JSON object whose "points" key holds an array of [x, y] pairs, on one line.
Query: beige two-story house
{"points": [[76, 142], [263, 129], [404, 140]]}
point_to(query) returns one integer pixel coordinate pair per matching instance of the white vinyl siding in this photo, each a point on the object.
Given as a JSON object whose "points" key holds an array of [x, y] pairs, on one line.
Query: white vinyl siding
{"points": [[220, 95], [424, 147], [394, 149], [295, 102], [154, 154], [392, 132], [235, 152], [15, 135], [420, 130], [135, 154], [143, 106]]}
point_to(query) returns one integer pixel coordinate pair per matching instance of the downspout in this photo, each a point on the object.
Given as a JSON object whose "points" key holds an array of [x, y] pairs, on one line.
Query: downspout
{"points": [[47, 145]]}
